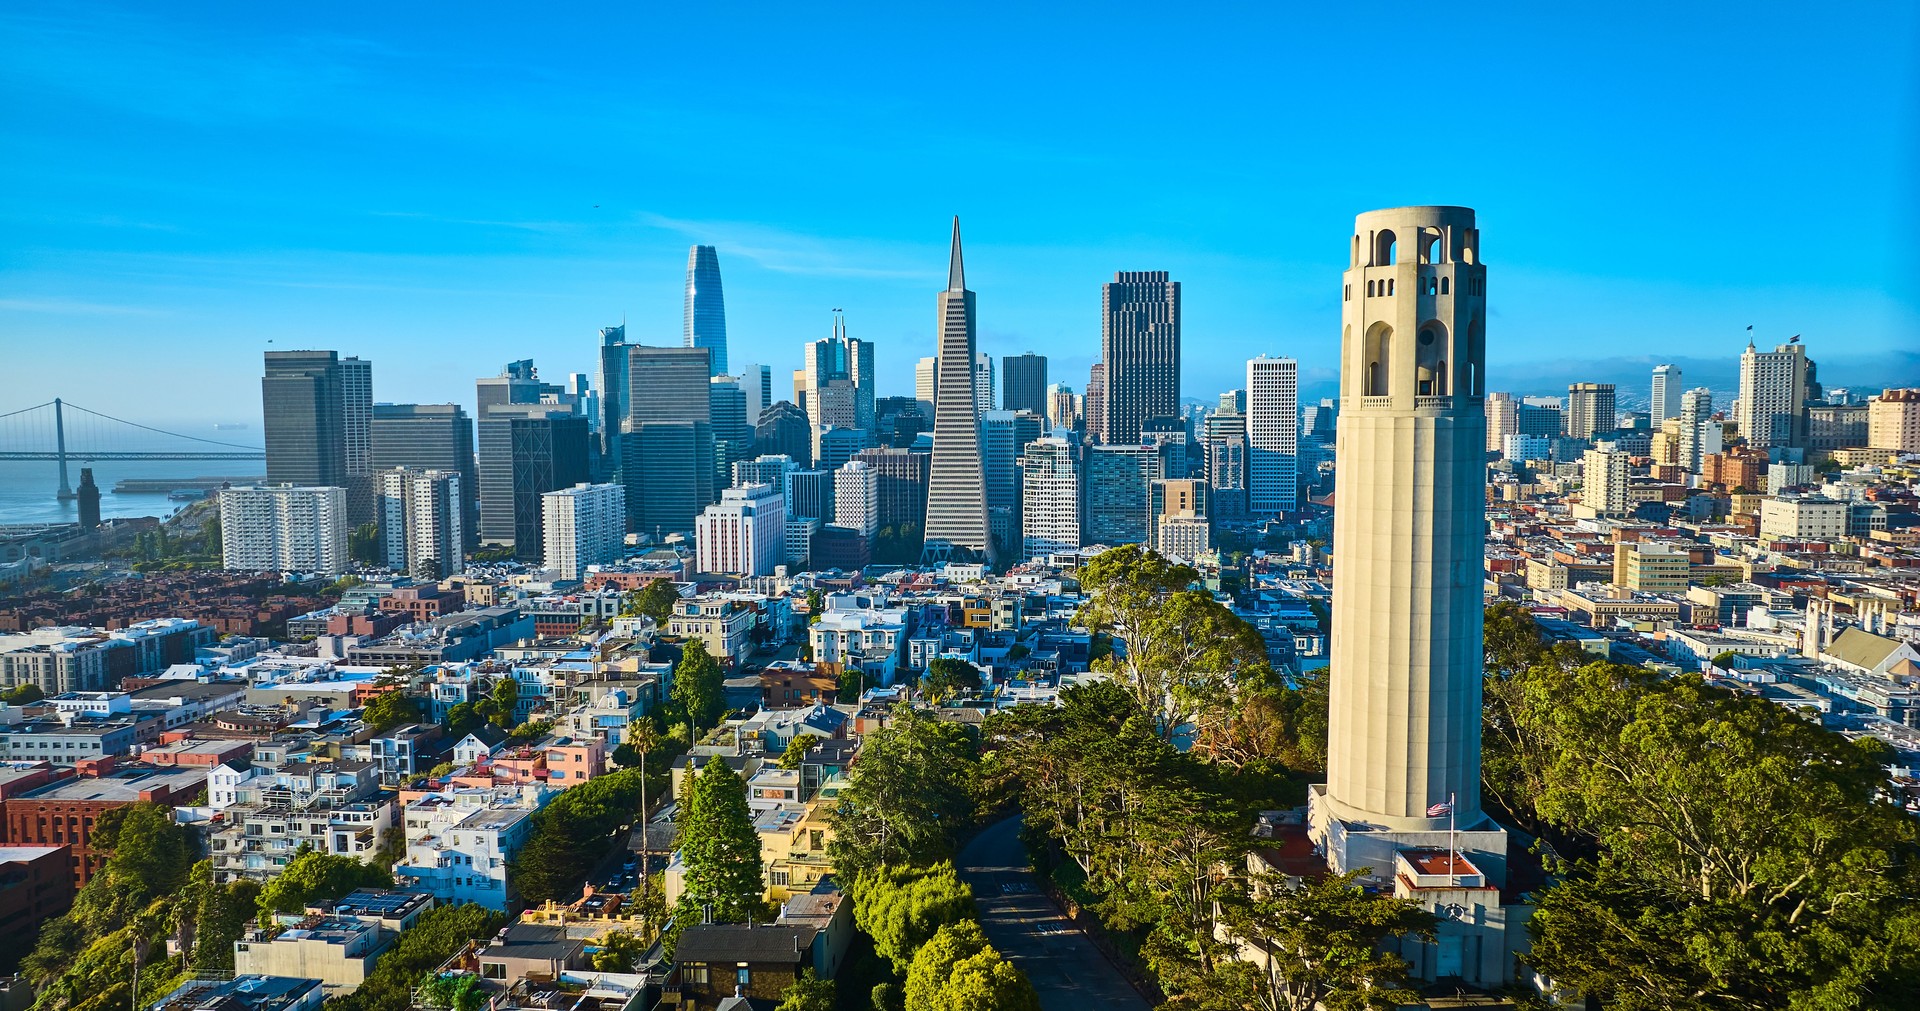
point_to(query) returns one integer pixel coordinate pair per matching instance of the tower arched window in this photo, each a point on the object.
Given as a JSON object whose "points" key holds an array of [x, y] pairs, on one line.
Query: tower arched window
{"points": [[1443, 286], [1379, 351], [1389, 286], [1383, 248]]}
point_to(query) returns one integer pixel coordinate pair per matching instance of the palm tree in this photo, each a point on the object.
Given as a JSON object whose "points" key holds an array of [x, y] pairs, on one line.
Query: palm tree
{"points": [[643, 738]]}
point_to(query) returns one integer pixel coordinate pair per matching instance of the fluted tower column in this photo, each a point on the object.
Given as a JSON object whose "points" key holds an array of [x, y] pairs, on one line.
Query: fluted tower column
{"points": [[1409, 520]]}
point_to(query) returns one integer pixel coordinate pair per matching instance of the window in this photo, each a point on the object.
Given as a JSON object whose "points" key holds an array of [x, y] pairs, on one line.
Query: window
{"points": [[1443, 286], [493, 970], [697, 973], [743, 976]]}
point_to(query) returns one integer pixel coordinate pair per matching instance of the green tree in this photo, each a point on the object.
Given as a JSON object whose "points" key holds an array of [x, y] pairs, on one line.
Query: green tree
{"points": [[699, 687], [907, 796], [797, 750], [901, 908], [620, 951], [816, 606], [392, 709], [1326, 941], [438, 936], [23, 694], [572, 834], [957, 970], [1185, 655], [463, 719], [312, 876], [505, 700], [808, 993], [363, 544], [948, 678], [655, 600], [724, 879]]}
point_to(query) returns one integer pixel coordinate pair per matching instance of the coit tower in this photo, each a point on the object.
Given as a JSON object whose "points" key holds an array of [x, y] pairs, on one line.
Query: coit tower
{"points": [[1409, 522]]}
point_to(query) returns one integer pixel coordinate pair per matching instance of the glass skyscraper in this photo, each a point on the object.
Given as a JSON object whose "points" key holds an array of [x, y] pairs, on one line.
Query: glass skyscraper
{"points": [[706, 307]]}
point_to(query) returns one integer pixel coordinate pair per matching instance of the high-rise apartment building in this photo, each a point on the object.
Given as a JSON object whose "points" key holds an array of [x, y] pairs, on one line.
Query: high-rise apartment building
{"points": [[1118, 478], [1700, 435], [1503, 419], [1049, 497], [584, 525], [1094, 405], [1273, 436], [1667, 388], [669, 469], [835, 384], [768, 470], [706, 308], [422, 515], [1603, 482], [430, 437], [1403, 755], [1023, 383], [284, 528], [856, 498], [926, 383], [1140, 347], [1177, 520], [956, 497], [1774, 389], [756, 381], [1893, 421], [1590, 410], [525, 451], [1004, 437], [1537, 420], [809, 493], [983, 382], [744, 534], [303, 406], [1063, 408]]}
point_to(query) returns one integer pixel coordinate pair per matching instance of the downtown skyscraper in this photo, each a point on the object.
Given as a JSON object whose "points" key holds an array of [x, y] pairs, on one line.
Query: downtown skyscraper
{"points": [[706, 310], [302, 402], [957, 492], [1023, 383], [1140, 347], [1273, 436]]}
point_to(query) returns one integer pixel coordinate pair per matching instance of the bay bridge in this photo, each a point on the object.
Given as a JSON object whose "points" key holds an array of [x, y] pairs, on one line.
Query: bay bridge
{"points": [[59, 431]]}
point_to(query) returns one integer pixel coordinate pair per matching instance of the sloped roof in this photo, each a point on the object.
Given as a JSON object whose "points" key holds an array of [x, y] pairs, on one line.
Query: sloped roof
{"points": [[1862, 648]]}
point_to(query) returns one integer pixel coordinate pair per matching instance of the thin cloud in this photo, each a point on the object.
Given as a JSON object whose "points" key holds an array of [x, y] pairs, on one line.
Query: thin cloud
{"points": [[74, 307], [791, 252]]}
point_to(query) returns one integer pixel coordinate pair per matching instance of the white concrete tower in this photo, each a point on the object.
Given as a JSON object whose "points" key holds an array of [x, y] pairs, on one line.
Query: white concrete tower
{"points": [[1402, 797], [1409, 523]]}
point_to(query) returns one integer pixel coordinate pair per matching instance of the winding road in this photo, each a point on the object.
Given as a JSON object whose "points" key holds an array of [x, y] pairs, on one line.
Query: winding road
{"points": [[1066, 968]]}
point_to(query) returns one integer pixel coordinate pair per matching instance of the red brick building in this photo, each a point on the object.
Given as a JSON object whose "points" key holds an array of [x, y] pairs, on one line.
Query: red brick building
{"points": [[63, 813]]}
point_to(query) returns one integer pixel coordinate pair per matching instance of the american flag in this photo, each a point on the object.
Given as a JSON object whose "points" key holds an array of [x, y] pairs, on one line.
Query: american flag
{"points": [[1444, 807]]}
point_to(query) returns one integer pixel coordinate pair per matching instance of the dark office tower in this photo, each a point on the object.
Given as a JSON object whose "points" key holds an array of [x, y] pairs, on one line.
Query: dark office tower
{"points": [[1023, 383], [1004, 438], [613, 392], [668, 448], [1140, 346], [706, 308], [1094, 406], [1118, 478], [89, 496], [899, 420], [809, 493], [956, 496], [527, 450], [430, 437], [305, 420], [902, 486], [356, 424], [732, 436], [784, 431]]}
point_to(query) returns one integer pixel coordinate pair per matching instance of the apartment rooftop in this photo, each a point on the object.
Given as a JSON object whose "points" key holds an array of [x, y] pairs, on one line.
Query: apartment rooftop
{"points": [[126, 785]]}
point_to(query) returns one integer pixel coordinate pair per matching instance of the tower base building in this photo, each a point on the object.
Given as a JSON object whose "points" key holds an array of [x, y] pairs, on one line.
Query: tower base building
{"points": [[1402, 797]]}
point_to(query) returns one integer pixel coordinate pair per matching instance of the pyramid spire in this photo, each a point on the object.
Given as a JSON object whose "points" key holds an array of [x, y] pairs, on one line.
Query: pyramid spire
{"points": [[956, 272]]}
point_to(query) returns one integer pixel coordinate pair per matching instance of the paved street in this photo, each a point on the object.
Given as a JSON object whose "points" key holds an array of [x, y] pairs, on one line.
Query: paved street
{"points": [[1068, 971]]}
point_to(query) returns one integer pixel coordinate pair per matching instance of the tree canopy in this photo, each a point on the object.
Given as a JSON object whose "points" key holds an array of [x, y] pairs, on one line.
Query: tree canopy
{"points": [[439, 934], [907, 794], [699, 687], [572, 834], [725, 878], [312, 876], [948, 678], [901, 908], [957, 970], [655, 600], [392, 709]]}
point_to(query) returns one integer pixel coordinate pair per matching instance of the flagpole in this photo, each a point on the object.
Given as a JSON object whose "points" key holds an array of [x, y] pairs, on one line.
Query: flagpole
{"points": [[1453, 844]]}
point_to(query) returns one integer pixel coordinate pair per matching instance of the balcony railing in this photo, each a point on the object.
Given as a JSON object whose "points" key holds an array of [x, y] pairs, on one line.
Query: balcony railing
{"points": [[1376, 401], [1430, 403]]}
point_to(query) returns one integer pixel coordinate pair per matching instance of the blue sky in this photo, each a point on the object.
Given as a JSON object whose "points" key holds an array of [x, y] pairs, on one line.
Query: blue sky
{"points": [[442, 188]]}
